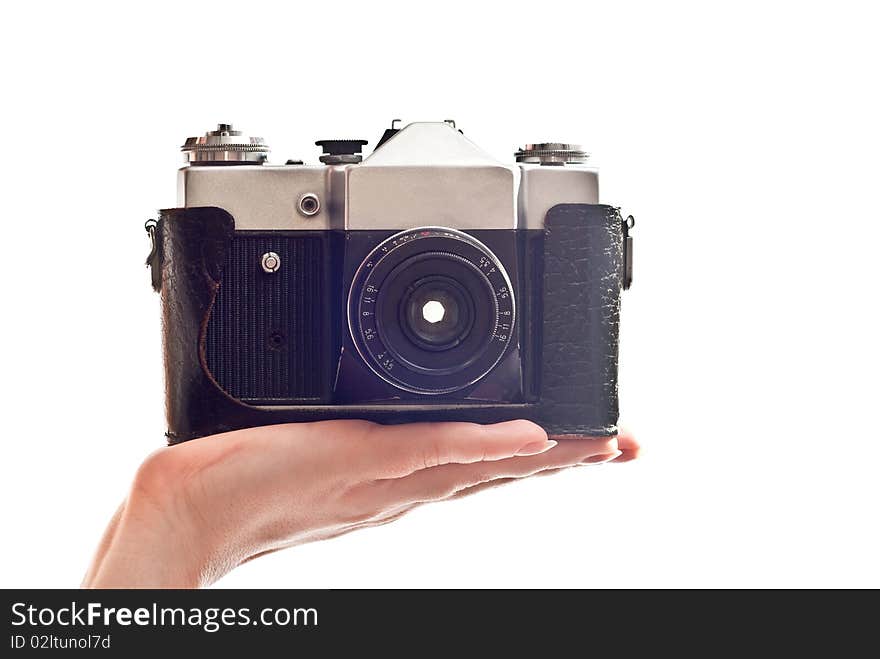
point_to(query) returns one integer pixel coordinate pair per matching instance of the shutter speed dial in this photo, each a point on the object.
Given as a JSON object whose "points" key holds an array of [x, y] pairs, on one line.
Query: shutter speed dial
{"points": [[552, 153]]}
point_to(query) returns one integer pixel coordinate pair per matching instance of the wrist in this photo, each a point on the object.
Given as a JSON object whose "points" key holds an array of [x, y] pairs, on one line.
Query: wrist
{"points": [[150, 548], [158, 541]]}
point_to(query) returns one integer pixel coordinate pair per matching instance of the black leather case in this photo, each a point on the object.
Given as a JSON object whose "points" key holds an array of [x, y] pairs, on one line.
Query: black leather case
{"points": [[582, 273], [583, 279]]}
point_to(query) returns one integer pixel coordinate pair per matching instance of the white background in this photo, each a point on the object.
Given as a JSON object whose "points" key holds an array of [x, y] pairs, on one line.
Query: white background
{"points": [[744, 140]]}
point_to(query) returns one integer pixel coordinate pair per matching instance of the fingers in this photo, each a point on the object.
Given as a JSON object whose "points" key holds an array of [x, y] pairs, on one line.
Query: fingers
{"points": [[596, 452], [468, 491], [474, 489], [629, 447], [461, 458], [446, 480], [398, 451]]}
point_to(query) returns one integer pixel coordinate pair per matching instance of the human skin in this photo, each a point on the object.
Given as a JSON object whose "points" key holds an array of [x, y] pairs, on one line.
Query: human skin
{"points": [[197, 510]]}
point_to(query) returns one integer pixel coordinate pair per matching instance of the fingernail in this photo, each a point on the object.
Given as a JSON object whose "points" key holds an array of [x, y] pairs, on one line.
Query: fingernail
{"points": [[601, 458], [536, 447]]}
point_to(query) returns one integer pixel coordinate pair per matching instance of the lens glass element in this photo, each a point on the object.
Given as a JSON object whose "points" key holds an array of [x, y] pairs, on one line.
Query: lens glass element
{"points": [[433, 311]]}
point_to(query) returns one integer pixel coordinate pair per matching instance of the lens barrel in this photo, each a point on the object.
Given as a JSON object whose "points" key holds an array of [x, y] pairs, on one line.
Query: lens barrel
{"points": [[431, 310]]}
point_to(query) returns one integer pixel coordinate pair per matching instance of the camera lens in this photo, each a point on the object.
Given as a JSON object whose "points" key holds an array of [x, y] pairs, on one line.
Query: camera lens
{"points": [[431, 310], [437, 313], [456, 337]]}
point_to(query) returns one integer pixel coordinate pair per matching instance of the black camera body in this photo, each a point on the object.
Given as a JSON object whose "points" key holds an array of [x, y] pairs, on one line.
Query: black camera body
{"points": [[426, 282]]}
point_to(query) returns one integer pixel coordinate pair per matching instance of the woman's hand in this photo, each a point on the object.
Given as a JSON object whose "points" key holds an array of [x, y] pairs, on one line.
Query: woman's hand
{"points": [[197, 510]]}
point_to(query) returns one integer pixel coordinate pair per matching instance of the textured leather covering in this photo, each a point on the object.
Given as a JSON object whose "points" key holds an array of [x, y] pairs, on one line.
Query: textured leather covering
{"points": [[583, 272]]}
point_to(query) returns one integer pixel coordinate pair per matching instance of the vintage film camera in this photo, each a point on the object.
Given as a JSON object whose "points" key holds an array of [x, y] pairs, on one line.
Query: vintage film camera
{"points": [[424, 282]]}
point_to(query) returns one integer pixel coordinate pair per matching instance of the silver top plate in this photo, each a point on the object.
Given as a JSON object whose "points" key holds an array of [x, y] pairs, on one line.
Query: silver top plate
{"points": [[426, 174]]}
